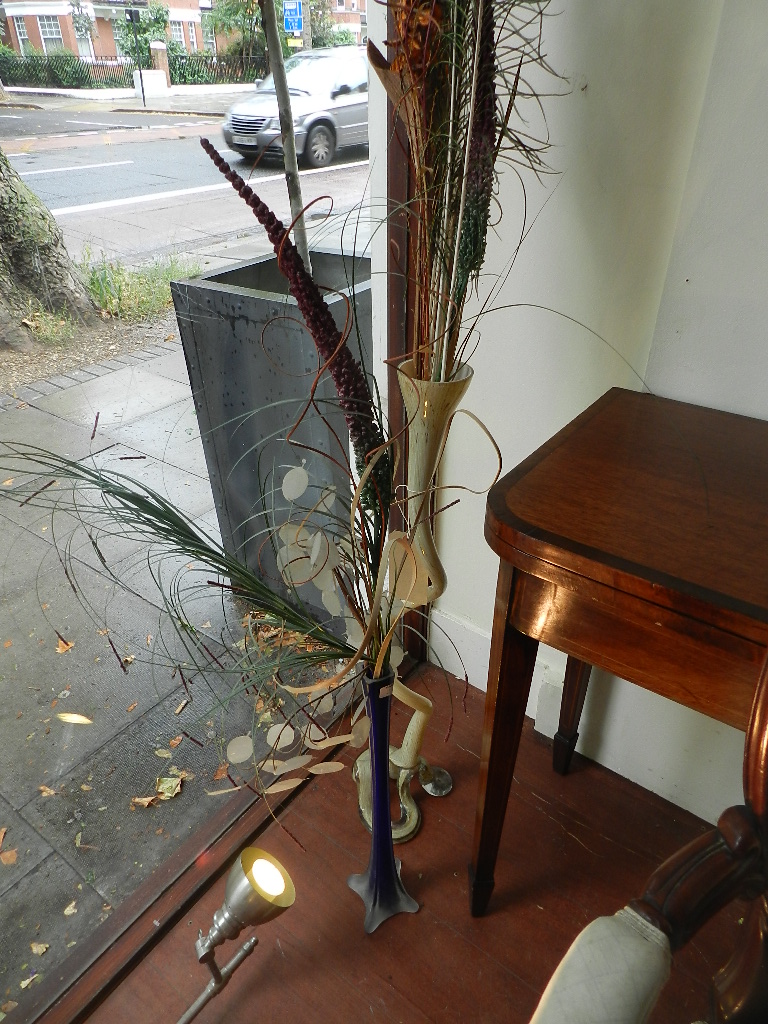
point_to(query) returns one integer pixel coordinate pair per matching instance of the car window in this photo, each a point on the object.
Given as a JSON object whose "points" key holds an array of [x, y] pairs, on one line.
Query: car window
{"points": [[314, 75], [355, 75]]}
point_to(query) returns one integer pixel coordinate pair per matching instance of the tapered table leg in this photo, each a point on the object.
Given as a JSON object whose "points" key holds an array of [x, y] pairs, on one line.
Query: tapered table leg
{"points": [[574, 691], [513, 656]]}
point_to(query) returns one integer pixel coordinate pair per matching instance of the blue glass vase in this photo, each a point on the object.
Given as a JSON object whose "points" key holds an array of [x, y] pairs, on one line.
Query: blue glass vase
{"points": [[380, 887]]}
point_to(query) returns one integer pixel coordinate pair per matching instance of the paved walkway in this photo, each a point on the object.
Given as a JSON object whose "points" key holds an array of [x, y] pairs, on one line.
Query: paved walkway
{"points": [[66, 790], [180, 99]]}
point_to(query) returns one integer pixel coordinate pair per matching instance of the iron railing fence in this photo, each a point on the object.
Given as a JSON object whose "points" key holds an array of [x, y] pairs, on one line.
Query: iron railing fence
{"points": [[66, 71], [204, 68]]}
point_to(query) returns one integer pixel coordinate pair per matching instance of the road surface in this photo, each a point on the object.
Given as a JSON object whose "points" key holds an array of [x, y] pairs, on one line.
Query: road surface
{"points": [[134, 186]]}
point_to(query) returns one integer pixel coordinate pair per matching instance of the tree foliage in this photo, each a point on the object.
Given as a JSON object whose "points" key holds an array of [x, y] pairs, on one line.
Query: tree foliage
{"points": [[241, 20], [153, 27]]}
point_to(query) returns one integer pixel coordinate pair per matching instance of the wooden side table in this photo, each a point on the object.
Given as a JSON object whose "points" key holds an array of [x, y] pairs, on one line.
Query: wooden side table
{"points": [[636, 539]]}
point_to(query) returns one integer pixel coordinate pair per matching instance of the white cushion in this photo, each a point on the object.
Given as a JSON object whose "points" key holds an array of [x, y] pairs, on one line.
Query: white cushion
{"points": [[612, 974]]}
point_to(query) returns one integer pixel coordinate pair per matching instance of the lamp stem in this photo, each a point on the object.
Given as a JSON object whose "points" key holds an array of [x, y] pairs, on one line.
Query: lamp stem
{"points": [[219, 979]]}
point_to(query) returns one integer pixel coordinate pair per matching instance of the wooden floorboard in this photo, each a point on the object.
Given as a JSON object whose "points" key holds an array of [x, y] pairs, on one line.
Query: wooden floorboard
{"points": [[573, 848]]}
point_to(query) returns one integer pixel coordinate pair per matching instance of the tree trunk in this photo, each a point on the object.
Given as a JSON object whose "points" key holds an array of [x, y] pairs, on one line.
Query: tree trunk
{"points": [[35, 269], [3, 93]]}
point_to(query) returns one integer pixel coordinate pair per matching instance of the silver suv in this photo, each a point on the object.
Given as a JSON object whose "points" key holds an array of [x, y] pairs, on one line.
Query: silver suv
{"points": [[329, 102]]}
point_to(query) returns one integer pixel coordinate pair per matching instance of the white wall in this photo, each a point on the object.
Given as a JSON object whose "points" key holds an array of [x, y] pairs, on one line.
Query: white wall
{"points": [[646, 141]]}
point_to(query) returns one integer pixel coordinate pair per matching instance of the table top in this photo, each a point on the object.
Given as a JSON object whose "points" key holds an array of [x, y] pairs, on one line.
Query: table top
{"points": [[658, 498]]}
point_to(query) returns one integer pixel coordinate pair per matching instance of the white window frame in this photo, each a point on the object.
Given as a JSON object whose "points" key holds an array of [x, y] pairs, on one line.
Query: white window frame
{"points": [[192, 37], [46, 22], [21, 33], [339, 5], [209, 37], [177, 33]]}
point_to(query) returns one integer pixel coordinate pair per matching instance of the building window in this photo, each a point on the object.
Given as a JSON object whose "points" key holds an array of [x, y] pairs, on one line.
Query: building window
{"points": [[209, 37], [353, 5], [339, 5], [21, 34], [177, 32], [50, 33], [192, 37]]}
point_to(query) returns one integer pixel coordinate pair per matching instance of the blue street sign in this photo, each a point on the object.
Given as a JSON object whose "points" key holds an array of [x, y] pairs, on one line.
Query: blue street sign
{"points": [[293, 20]]}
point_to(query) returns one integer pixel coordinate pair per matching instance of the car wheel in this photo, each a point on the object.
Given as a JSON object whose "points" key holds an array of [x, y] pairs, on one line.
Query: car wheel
{"points": [[320, 146]]}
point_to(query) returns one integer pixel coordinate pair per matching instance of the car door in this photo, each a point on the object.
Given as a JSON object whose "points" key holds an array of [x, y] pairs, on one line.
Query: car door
{"points": [[350, 103]]}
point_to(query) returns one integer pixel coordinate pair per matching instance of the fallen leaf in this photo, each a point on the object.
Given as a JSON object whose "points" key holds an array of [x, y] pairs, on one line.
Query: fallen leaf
{"points": [[27, 981], [45, 606], [221, 772], [222, 792], [18, 715], [54, 702], [64, 645], [7, 1007], [8, 857], [8, 482], [103, 632], [47, 791], [86, 789], [8, 643], [169, 337], [181, 706], [38, 948], [181, 773], [162, 752], [206, 625], [78, 838], [70, 909], [129, 659], [168, 788], [149, 639], [3, 830], [132, 707], [175, 742], [73, 718], [143, 801]]}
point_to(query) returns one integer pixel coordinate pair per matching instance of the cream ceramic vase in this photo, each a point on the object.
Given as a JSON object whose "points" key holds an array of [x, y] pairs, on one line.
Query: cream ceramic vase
{"points": [[429, 406]]}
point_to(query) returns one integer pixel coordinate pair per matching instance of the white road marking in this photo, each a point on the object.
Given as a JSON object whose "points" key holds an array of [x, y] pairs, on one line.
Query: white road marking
{"points": [[151, 197], [73, 167], [11, 117], [102, 124]]}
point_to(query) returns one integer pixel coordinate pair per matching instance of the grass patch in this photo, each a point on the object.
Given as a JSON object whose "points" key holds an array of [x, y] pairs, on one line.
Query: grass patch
{"points": [[133, 294], [49, 328]]}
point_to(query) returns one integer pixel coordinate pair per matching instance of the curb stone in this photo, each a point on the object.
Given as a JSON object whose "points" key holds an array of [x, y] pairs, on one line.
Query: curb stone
{"points": [[27, 393]]}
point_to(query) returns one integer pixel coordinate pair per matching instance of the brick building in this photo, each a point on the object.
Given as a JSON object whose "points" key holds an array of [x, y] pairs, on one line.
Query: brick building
{"points": [[351, 14], [45, 26]]}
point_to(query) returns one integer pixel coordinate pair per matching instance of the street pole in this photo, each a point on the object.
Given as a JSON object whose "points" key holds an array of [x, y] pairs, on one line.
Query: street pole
{"points": [[133, 16]]}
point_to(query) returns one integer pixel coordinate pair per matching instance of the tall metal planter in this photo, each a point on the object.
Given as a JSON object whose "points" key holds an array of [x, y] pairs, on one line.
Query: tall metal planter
{"points": [[251, 365]]}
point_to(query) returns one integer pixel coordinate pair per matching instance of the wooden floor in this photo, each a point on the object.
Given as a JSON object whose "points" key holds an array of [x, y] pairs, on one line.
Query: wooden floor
{"points": [[573, 848]]}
